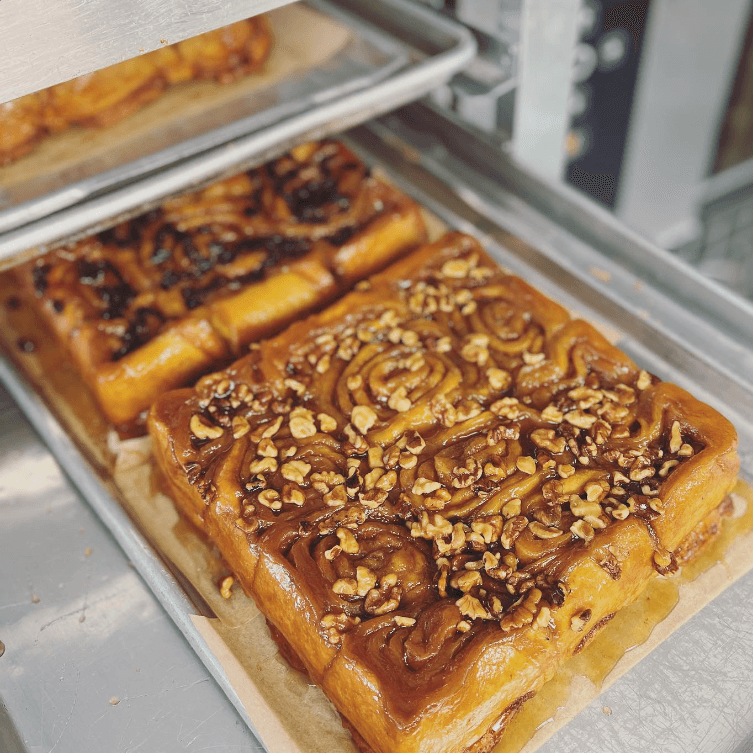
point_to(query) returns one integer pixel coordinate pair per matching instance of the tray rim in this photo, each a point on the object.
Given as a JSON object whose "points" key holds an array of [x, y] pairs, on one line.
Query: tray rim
{"points": [[456, 47], [93, 488]]}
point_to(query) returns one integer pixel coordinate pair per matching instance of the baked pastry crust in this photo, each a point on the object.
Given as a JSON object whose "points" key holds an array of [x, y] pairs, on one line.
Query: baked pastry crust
{"points": [[163, 298], [104, 97], [439, 488]]}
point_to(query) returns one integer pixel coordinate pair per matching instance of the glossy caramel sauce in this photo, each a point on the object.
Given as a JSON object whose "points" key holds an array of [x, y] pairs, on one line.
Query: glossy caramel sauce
{"points": [[630, 628]]}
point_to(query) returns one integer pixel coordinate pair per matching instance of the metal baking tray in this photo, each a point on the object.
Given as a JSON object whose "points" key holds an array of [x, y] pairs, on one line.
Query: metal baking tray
{"points": [[582, 258], [399, 52]]}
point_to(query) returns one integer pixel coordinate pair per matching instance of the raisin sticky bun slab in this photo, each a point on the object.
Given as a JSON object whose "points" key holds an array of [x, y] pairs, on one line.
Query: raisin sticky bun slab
{"points": [[439, 489], [105, 97], [157, 301]]}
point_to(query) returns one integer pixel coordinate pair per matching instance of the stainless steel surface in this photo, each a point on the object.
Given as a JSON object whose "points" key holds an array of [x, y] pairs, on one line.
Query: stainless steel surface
{"points": [[369, 56], [582, 257], [92, 661], [690, 56], [44, 42], [549, 30], [441, 47]]}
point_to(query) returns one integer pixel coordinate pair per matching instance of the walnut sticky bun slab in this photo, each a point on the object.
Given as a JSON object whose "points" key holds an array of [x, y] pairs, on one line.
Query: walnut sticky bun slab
{"points": [[105, 97], [439, 488], [157, 301]]}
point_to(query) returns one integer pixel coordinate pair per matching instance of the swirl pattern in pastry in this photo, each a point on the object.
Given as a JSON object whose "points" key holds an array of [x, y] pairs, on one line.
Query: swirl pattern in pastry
{"points": [[154, 302], [439, 487]]}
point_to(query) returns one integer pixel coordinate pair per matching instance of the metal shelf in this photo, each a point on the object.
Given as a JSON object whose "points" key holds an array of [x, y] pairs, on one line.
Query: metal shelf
{"points": [[44, 42]]}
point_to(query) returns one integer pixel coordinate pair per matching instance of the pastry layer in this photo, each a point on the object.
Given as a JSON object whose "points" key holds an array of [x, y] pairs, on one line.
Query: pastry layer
{"points": [[157, 301], [106, 96], [438, 488]]}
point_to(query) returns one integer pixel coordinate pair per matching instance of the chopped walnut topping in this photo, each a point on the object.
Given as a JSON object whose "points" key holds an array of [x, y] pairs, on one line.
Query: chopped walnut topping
{"points": [[375, 455], [363, 418], [298, 387], [443, 411], [466, 580], [507, 407], [499, 379], [667, 466], [345, 587], [552, 415], [337, 497], [583, 530], [348, 542], [272, 429], [325, 480], [582, 508], [399, 401], [580, 419], [471, 607], [370, 479], [354, 382], [466, 475], [240, 427], [414, 443], [644, 380], [435, 528], [270, 498], [266, 449], [326, 423], [295, 470], [686, 451], [360, 445], [578, 622], [638, 474], [386, 598], [585, 397], [425, 486], [226, 584], [565, 471], [264, 465], [595, 491], [463, 626], [620, 511], [203, 430], [292, 495], [387, 482], [401, 621], [546, 439], [531, 359], [526, 464], [543, 618], [407, 460], [512, 529], [323, 363], [664, 561], [373, 498], [455, 268], [443, 345], [302, 423], [476, 349], [365, 580], [437, 500]]}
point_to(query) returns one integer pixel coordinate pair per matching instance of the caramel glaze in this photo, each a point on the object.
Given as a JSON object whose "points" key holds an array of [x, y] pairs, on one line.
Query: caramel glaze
{"points": [[437, 487], [105, 97], [160, 299]]}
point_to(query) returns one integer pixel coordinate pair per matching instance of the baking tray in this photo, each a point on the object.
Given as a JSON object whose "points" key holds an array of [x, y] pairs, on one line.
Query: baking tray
{"points": [[419, 151], [398, 52]]}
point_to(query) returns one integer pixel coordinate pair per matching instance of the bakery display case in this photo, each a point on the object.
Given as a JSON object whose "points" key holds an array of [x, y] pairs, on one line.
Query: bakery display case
{"points": [[121, 637]]}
